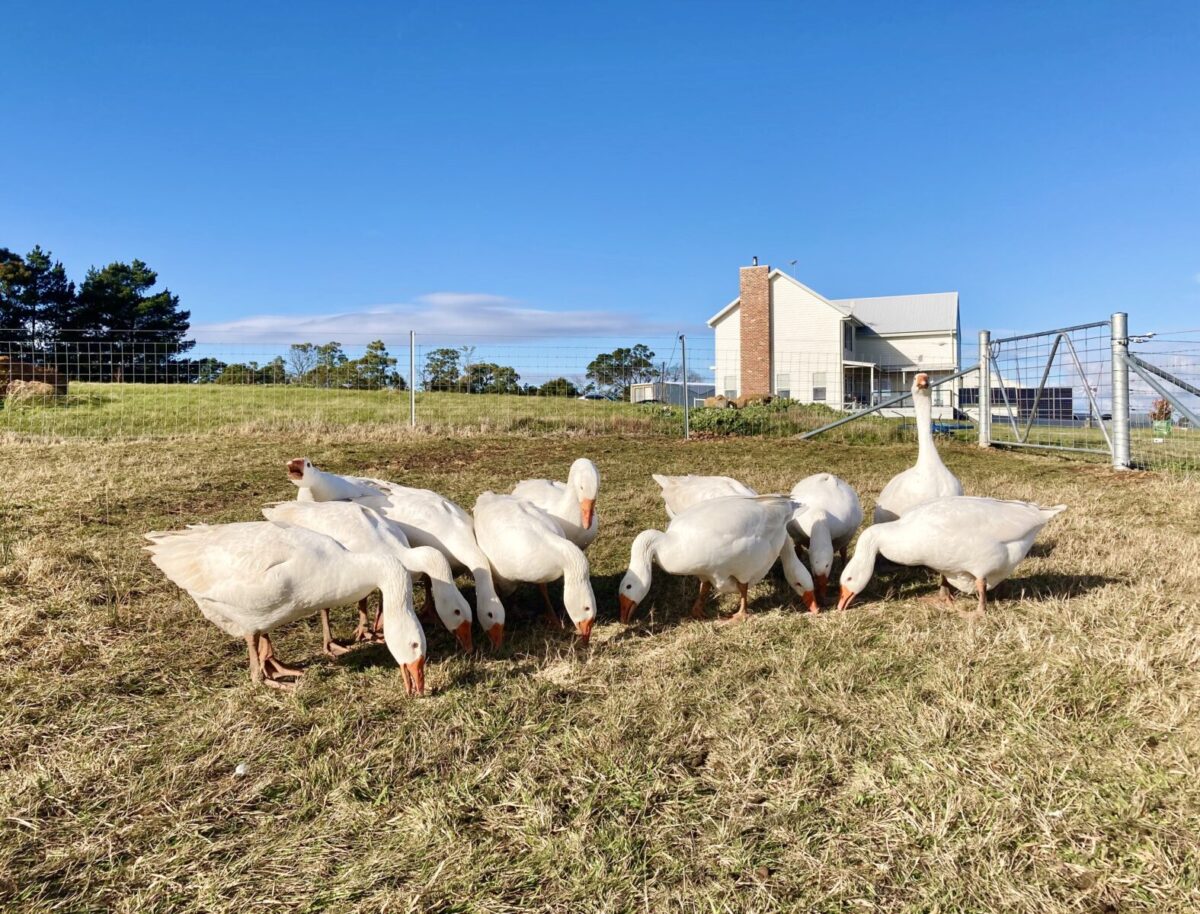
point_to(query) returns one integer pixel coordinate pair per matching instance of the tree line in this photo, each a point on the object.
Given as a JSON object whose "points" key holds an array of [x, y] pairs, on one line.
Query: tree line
{"points": [[114, 326], [108, 317]]}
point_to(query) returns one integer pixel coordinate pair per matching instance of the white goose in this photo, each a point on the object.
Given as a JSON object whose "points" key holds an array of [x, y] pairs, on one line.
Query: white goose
{"points": [[250, 578], [427, 519], [974, 543], [525, 544], [831, 517], [572, 504], [681, 492], [927, 480], [361, 529], [729, 543]]}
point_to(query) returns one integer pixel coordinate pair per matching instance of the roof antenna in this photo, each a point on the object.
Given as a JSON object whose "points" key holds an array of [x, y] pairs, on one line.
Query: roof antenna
{"points": [[754, 261]]}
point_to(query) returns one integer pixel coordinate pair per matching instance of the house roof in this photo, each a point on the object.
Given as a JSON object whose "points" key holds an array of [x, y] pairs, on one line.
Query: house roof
{"points": [[712, 321], [933, 312]]}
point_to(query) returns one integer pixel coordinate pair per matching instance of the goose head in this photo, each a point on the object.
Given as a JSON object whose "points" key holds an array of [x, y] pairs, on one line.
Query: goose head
{"points": [[859, 570], [581, 606], [920, 382], [301, 472], [636, 583], [409, 652], [491, 617], [584, 479]]}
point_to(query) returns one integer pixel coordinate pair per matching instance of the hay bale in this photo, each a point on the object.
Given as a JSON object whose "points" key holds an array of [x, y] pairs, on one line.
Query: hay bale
{"points": [[29, 393], [12, 372]]}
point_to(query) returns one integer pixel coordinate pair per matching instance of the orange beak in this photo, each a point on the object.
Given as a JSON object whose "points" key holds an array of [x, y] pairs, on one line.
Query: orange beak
{"points": [[847, 597], [922, 381], [463, 634], [627, 608], [296, 468], [810, 600], [820, 583], [496, 635], [587, 509], [414, 677], [585, 629]]}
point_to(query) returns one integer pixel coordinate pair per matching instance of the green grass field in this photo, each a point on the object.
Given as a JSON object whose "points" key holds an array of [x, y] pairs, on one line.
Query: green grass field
{"points": [[894, 757]]}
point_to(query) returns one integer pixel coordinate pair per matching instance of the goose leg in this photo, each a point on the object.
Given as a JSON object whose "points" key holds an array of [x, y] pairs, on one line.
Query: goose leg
{"points": [[701, 599], [549, 614], [255, 667], [742, 614], [945, 593], [364, 631], [428, 607], [981, 587], [270, 666], [328, 646]]}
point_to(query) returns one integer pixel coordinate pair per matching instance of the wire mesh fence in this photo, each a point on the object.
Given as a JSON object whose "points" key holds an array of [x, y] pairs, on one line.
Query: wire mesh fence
{"points": [[143, 386], [1164, 399], [1048, 390]]}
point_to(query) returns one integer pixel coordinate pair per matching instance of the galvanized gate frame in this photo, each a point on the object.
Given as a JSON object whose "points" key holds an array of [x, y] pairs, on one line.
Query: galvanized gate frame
{"points": [[1061, 336]]}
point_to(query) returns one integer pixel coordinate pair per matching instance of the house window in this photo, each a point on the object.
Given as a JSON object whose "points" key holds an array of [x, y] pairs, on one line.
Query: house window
{"points": [[783, 385], [730, 386], [818, 387], [848, 336]]}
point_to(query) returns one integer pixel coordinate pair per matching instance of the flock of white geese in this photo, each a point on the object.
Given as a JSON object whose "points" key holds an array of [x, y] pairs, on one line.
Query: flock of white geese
{"points": [[346, 537]]}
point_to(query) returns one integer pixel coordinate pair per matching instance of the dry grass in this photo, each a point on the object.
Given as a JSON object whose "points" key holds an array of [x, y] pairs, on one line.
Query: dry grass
{"points": [[895, 757]]}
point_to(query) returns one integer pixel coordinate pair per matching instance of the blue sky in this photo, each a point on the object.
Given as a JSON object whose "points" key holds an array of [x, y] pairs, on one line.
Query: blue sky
{"points": [[475, 166]]}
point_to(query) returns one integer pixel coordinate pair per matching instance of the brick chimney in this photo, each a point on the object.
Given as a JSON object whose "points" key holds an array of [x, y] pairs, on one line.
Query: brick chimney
{"points": [[756, 329]]}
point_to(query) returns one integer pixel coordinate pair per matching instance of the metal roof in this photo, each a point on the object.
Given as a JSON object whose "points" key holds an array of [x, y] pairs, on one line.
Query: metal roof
{"points": [[931, 312]]}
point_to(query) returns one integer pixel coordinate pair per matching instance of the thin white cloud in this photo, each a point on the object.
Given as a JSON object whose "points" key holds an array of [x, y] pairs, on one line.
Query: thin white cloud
{"points": [[457, 315]]}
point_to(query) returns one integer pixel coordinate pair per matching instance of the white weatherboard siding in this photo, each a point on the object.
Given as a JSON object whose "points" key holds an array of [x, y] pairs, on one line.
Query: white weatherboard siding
{"points": [[806, 342], [728, 341], [928, 351]]}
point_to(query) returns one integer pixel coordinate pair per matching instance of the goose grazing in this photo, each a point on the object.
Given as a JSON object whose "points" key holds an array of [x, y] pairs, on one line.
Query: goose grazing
{"points": [[249, 578], [927, 480], [729, 543], [831, 517], [361, 529], [974, 543], [525, 544], [572, 504], [427, 519], [681, 492]]}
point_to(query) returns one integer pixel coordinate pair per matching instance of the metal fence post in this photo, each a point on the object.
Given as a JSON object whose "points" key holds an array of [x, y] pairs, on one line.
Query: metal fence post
{"points": [[412, 378], [1120, 391], [687, 406], [985, 388]]}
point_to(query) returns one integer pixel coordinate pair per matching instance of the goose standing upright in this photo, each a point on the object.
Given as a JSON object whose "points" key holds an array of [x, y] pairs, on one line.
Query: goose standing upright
{"points": [[929, 478], [525, 544], [831, 517], [572, 504], [361, 529], [729, 543], [681, 492], [974, 543], [249, 578], [427, 519]]}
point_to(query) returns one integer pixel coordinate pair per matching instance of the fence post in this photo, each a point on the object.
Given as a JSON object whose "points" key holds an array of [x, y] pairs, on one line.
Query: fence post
{"points": [[1120, 391], [985, 388], [412, 378], [687, 406]]}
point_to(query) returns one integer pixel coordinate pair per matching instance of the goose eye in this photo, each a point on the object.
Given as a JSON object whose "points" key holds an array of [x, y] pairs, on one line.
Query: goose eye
{"points": [[415, 646], [457, 613], [489, 615], [629, 587]]}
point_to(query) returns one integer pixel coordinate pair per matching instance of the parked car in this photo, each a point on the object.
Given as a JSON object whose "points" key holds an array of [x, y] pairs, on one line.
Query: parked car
{"points": [[594, 396]]}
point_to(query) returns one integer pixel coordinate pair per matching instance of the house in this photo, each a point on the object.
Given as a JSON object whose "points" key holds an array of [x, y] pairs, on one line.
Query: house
{"points": [[670, 392], [781, 337]]}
